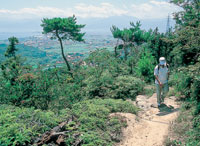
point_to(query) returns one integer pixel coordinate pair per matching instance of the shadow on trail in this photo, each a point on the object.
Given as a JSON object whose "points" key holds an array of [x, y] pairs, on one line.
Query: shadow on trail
{"points": [[165, 110]]}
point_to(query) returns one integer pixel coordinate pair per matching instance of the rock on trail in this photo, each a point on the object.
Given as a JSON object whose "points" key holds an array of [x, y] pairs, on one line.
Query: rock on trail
{"points": [[151, 125]]}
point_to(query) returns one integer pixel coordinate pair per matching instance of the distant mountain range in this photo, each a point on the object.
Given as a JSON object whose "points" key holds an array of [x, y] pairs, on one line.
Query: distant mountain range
{"points": [[24, 28], [102, 25]]}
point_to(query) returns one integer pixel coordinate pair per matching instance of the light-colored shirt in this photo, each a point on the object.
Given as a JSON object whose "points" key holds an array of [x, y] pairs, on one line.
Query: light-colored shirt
{"points": [[162, 74]]}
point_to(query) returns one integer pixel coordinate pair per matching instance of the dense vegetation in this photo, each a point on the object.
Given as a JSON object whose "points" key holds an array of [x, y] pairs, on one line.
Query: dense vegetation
{"points": [[32, 55], [186, 75], [92, 125], [83, 95]]}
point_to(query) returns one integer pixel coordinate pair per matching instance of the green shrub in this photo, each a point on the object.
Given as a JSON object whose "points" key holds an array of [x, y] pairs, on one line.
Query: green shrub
{"points": [[187, 82], [193, 135], [98, 86], [125, 87], [102, 60], [66, 96], [107, 86], [195, 93], [19, 126], [30, 90], [145, 66], [181, 81], [96, 126]]}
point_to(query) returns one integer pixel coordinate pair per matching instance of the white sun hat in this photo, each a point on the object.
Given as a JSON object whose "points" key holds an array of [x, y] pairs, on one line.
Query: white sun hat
{"points": [[162, 61]]}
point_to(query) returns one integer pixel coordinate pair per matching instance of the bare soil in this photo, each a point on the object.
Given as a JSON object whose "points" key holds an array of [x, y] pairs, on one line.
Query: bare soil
{"points": [[151, 126]]}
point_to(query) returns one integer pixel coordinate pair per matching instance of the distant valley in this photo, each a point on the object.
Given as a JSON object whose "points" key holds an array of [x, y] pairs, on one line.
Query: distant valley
{"points": [[41, 50]]}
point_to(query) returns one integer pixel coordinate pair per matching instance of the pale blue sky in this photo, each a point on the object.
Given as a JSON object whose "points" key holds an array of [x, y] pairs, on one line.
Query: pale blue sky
{"points": [[17, 4], [142, 9], [26, 15]]}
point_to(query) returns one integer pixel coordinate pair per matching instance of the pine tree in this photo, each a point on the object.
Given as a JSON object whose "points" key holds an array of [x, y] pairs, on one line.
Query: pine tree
{"points": [[63, 29], [10, 52]]}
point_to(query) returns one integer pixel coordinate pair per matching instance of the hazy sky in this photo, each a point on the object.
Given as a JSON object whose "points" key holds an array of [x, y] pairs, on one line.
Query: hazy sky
{"points": [[20, 11]]}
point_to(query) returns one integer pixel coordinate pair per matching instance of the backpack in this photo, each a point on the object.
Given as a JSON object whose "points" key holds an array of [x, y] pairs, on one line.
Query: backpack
{"points": [[167, 65]]}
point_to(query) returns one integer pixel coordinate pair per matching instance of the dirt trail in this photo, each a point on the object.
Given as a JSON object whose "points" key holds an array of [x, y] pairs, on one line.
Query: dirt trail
{"points": [[151, 125]]}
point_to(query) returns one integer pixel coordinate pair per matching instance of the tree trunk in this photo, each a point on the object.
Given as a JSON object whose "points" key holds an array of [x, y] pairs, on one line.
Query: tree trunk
{"points": [[63, 55], [116, 48], [56, 74], [125, 51]]}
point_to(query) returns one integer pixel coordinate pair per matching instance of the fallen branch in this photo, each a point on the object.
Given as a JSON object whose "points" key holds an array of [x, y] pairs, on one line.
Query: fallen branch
{"points": [[56, 134]]}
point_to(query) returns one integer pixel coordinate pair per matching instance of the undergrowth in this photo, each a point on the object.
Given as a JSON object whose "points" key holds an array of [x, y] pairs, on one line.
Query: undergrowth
{"points": [[19, 126], [22, 126]]}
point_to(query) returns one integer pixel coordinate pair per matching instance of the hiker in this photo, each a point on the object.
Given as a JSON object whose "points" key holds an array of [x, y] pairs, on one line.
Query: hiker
{"points": [[161, 73]]}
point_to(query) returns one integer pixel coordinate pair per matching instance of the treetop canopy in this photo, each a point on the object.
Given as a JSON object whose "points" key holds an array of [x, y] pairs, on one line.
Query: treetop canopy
{"points": [[64, 28]]}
